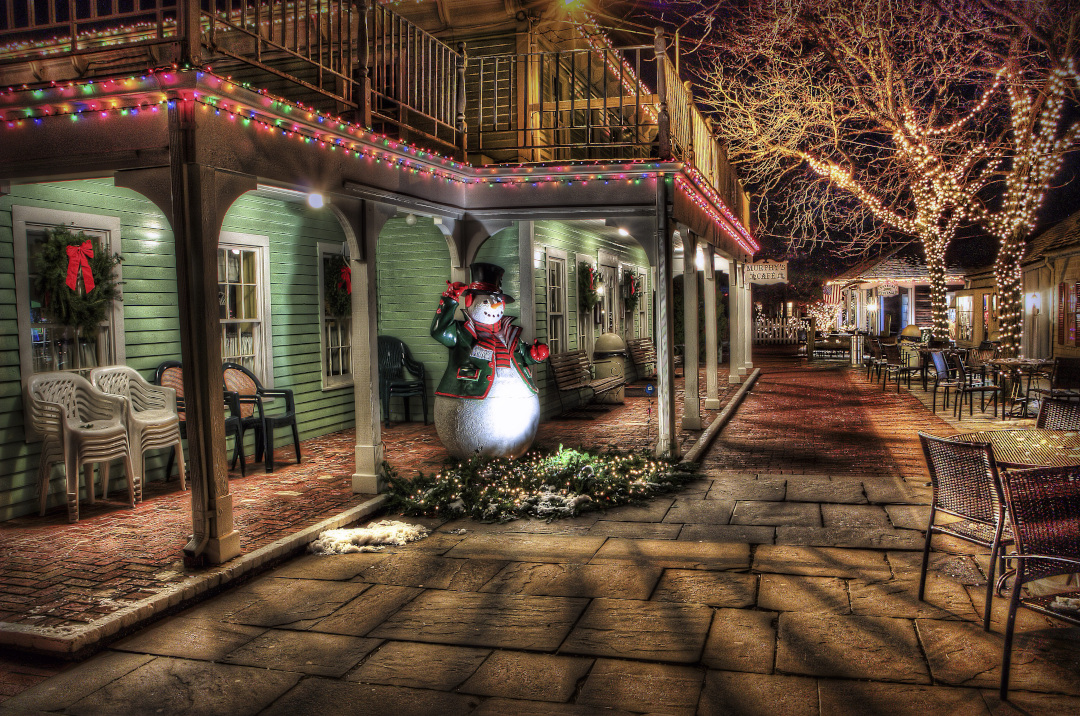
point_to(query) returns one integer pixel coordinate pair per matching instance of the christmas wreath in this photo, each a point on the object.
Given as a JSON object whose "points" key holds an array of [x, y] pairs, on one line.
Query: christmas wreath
{"points": [[76, 280], [589, 281], [337, 286], [631, 290]]}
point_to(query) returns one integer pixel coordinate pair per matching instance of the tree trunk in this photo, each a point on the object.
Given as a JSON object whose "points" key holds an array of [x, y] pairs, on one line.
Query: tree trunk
{"points": [[1009, 279], [935, 265]]}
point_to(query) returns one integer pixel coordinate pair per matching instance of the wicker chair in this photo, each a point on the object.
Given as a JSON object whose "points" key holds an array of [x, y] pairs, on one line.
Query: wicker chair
{"points": [[149, 414], [243, 382], [1044, 507], [944, 377], [965, 481], [171, 374], [1056, 414], [79, 426]]}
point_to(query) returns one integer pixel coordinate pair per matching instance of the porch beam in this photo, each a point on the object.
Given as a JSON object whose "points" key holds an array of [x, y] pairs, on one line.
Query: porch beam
{"points": [[691, 419]]}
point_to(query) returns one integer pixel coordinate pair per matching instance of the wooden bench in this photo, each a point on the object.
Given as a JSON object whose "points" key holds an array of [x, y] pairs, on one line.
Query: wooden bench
{"points": [[643, 354], [572, 373]]}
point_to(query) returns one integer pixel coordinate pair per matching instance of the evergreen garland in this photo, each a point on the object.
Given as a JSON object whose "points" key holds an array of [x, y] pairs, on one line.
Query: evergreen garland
{"points": [[336, 291], [542, 485], [82, 310], [589, 280], [631, 290]]}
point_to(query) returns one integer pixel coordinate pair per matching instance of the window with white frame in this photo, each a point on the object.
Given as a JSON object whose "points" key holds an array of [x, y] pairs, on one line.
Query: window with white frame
{"points": [[336, 341], [643, 305], [244, 302], [45, 345], [557, 320]]}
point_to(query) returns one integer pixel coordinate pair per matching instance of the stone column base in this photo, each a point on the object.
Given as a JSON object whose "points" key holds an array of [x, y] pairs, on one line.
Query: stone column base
{"points": [[368, 478], [712, 403]]}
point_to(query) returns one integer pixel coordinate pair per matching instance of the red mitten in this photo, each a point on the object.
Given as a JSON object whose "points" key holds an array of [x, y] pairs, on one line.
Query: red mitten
{"points": [[539, 351], [453, 290]]}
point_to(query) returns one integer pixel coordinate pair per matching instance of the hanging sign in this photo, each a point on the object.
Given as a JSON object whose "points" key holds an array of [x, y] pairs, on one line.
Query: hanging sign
{"points": [[767, 272], [886, 290]]}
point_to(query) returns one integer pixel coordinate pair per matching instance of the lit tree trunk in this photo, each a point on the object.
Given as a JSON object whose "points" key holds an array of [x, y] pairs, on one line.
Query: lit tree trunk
{"points": [[1010, 292], [935, 265]]}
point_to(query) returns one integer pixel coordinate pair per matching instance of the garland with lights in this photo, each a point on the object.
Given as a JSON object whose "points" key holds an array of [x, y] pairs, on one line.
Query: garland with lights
{"points": [[337, 286], [76, 279], [631, 290], [544, 485], [589, 283]]}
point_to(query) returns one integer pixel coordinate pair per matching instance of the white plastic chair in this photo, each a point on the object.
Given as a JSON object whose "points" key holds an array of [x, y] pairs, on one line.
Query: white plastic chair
{"points": [[150, 415], [79, 426]]}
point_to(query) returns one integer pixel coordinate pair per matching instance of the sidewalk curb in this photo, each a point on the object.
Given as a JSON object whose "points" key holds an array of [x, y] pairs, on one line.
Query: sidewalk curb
{"points": [[703, 442], [73, 642]]}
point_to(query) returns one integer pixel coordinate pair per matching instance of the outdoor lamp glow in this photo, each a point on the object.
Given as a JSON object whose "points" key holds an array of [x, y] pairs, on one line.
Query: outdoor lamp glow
{"points": [[699, 260], [871, 306], [315, 200]]}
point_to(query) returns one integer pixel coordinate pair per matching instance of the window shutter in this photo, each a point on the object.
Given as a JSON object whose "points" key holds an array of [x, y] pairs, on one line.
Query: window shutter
{"points": [[1061, 314]]}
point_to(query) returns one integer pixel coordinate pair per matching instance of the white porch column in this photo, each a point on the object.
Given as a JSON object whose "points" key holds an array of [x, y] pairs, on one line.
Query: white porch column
{"points": [[527, 280], [367, 476], [666, 445], [748, 325], [712, 341], [691, 419], [735, 334]]}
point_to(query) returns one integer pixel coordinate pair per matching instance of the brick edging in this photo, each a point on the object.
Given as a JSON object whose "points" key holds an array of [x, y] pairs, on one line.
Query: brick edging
{"points": [[69, 642], [710, 433]]}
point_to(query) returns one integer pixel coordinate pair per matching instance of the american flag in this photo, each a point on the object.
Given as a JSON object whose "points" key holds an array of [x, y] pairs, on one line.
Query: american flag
{"points": [[831, 293]]}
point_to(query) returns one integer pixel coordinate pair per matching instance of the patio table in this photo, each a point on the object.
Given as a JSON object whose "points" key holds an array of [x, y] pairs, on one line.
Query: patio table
{"points": [[1018, 369], [1030, 447]]}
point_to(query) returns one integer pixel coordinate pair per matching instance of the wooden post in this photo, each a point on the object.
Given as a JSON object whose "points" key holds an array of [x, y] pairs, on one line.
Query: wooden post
{"points": [[663, 120], [190, 31], [365, 41], [691, 398], [712, 339], [462, 126], [735, 334], [666, 446]]}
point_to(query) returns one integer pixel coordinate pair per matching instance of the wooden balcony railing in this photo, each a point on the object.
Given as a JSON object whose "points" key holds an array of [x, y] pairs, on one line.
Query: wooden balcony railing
{"points": [[358, 56]]}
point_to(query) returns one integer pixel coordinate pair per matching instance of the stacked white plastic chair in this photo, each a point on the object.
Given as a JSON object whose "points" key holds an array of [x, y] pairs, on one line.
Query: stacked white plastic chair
{"points": [[79, 426], [150, 414]]}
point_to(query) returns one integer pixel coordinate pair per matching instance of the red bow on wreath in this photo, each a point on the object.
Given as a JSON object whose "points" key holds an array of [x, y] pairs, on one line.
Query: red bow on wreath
{"points": [[79, 258], [345, 279]]}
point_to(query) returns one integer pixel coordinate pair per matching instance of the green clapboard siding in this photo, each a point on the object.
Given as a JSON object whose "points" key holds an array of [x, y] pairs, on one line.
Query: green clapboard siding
{"points": [[151, 314], [413, 268]]}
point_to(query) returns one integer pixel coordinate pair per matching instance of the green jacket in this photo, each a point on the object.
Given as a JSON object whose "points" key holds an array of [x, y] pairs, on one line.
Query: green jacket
{"points": [[468, 375]]}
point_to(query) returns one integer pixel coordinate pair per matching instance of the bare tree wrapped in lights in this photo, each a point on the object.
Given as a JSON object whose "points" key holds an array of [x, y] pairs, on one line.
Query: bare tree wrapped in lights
{"points": [[856, 121], [1035, 43]]}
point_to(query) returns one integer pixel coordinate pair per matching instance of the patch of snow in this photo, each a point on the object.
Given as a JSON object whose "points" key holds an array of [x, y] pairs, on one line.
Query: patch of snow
{"points": [[372, 538]]}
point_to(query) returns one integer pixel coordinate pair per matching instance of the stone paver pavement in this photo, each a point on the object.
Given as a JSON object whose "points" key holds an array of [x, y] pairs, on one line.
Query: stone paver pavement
{"points": [[783, 582]]}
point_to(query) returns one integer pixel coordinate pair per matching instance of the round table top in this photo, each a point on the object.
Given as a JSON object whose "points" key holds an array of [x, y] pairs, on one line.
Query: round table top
{"points": [[1031, 447]]}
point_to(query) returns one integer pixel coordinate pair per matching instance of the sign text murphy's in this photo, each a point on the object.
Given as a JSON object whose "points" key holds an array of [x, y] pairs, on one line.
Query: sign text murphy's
{"points": [[768, 272]]}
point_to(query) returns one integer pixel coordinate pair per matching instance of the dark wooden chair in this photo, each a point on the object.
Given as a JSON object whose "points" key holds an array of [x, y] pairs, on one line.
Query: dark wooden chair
{"points": [[1056, 414], [965, 481], [394, 360], [1044, 508], [171, 374], [253, 413]]}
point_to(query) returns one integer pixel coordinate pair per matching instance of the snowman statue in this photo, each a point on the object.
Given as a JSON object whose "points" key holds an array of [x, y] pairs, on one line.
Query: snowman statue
{"points": [[487, 401]]}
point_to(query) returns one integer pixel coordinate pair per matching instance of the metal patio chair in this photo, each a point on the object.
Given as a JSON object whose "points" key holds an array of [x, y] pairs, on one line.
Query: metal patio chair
{"points": [[149, 415], [896, 364], [944, 378], [79, 426], [965, 483], [970, 384], [1044, 507], [1064, 380]]}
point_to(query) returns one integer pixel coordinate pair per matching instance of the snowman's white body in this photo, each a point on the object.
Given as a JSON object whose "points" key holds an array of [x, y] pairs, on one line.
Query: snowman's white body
{"points": [[501, 424]]}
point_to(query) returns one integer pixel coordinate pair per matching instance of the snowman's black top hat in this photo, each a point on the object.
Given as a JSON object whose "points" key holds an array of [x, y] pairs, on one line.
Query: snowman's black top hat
{"points": [[487, 278]]}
